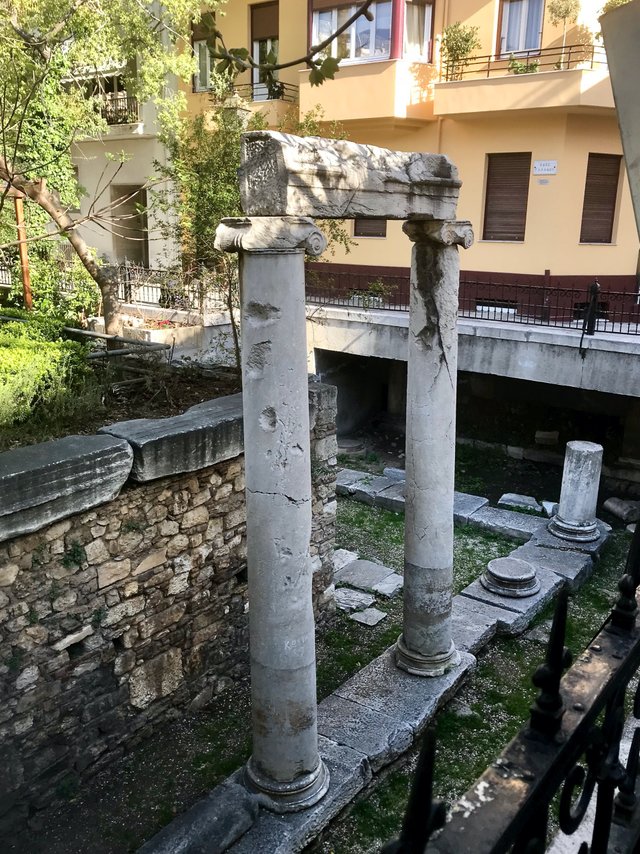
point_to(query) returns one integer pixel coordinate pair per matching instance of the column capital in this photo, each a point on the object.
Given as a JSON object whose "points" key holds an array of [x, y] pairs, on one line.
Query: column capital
{"points": [[446, 232], [270, 234]]}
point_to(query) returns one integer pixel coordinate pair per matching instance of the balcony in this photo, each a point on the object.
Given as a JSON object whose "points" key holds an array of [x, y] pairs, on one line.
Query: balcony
{"points": [[576, 77], [389, 91], [120, 110]]}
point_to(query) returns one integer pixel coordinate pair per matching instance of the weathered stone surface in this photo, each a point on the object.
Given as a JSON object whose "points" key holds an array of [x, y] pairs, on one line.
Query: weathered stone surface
{"points": [[116, 570], [347, 480], [390, 585], [413, 700], [284, 175], [576, 516], [550, 508], [42, 483], [211, 826], [575, 567], [544, 537], [155, 678], [341, 557], [363, 574], [380, 738], [286, 834], [517, 613], [76, 637], [628, 511], [513, 499], [349, 600], [205, 434], [465, 505], [518, 526], [367, 489], [368, 617], [473, 623], [393, 473], [391, 498], [151, 561]]}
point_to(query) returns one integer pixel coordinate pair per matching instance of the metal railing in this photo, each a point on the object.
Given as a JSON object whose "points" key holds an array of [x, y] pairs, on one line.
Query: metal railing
{"points": [[276, 91], [570, 746], [526, 304], [528, 62], [158, 288], [120, 110]]}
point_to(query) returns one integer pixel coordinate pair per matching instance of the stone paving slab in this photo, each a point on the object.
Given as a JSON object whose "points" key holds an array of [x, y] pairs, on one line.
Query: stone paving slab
{"points": [[544, 537], [394, 473], [413, 700], [369, 617], [341, 557], [390, 585], [381, 738], [286, 834], [464, 505], [367, 490], [349, 600], [347, 479], [517, 526], [516, 500], [474, 623], [391, 498], [574, 567], [518, 613], [363, 574]]}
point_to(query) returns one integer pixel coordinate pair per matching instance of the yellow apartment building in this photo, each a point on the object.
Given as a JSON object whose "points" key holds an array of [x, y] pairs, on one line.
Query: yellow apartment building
{"points": [[529, 122]]}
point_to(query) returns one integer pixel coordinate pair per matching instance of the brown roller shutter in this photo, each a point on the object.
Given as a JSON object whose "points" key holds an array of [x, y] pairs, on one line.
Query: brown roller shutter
{"points": [[264, 21], [365, 227], [505, 209], [600, 195]]}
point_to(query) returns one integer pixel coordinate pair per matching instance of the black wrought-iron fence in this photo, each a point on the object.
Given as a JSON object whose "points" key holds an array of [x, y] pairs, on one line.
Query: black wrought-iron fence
{"points": [[570, 746], [120, 110]]}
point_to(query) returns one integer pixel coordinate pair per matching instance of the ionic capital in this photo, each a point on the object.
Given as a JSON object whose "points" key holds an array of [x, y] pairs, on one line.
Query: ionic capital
{"points": [[270, 234], [445, 232]]}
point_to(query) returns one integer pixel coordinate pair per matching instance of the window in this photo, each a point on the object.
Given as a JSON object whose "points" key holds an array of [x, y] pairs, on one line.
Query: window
{"points": [[363, 40], [364, 227], [505, 206], [129, 228], [418, 28], [600, 196], [521, 26], [264, 41], [202, 77]]}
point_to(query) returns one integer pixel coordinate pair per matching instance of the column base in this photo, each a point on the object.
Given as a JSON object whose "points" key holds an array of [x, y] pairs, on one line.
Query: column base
{"points": [[421, 665], [578, 533], [299, 794]]}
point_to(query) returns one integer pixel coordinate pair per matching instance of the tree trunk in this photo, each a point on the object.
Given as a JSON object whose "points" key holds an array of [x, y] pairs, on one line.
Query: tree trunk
{"points": [[105, 277]]}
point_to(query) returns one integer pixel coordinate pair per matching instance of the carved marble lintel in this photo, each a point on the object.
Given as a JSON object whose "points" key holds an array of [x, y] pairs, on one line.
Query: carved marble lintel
{"points": [[270, 234], [446, 232]]}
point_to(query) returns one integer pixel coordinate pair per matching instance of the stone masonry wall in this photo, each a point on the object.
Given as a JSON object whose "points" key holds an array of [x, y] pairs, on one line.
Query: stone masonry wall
{"points": [[114, 617]]}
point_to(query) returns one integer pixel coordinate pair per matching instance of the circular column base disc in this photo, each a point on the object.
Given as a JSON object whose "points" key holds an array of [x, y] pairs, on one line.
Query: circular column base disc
{"points": [[578, 533], [421, 665], [299, 794], [510, 576]]}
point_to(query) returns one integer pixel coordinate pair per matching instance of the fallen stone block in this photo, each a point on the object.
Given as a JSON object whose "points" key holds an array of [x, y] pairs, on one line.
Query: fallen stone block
{"points": [[363, 574], [350, 600], [211, 826], [513, 499], [341, 557], [380, 738], [40, 484], [390, 585], [205, 434], [518, 526], [627, 511], [465, 505], [368, 617]]}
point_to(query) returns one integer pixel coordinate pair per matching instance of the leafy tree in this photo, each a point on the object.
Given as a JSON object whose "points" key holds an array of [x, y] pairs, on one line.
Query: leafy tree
{"points": [[458, 43], [563, 10]]}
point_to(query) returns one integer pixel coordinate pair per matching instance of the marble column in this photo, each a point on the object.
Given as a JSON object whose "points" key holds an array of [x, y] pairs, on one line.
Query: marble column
{"points": [[285, 766], [576, 516], [425, 647]]}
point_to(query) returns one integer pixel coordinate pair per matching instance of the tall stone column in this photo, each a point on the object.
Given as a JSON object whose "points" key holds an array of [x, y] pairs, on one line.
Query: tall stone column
{"points": [[425, 647], [285, 766]]}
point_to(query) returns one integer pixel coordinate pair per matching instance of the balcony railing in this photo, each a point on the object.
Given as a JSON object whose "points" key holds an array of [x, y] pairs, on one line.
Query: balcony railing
{"points": [[526, 304], [120, 110], [277, 91], [528, 62]]}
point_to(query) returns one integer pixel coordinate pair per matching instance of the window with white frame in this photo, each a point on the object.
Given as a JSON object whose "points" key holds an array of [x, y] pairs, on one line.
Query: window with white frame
{"points": [[418, 29], [364, 40], [521, 28], [202, 77]]}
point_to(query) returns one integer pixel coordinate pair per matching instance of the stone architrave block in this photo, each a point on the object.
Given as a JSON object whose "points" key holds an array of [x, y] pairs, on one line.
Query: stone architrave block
{"points": [[574, 566], [381, 738], [517, 526], [517, 613], [205, 434], [413, 700], [212, 824], [40, 484], [285, 175], [464, 505]]}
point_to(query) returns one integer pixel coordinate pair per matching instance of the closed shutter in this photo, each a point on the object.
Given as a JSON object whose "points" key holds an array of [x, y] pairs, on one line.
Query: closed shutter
{"points": [[264, 21], [600, 195], [505, 208], [364, 227]]}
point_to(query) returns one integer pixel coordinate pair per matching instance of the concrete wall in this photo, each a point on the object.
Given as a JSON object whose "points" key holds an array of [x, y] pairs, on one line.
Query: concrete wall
{"points": [[118, 607]]}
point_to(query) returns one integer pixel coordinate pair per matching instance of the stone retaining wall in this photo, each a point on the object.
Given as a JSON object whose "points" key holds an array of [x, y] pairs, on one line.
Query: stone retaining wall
{"points": [[113, 616]]}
